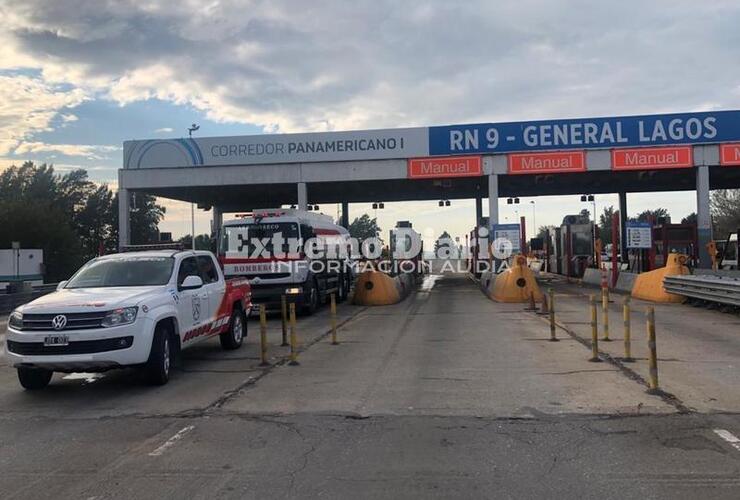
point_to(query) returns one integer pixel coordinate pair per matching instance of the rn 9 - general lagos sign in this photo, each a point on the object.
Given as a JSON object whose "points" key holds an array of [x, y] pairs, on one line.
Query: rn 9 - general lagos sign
{"points": [[450, 140]]}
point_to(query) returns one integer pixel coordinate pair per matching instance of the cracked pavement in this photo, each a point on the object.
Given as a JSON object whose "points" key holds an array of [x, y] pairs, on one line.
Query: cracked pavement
{"points": [[444, 395]]}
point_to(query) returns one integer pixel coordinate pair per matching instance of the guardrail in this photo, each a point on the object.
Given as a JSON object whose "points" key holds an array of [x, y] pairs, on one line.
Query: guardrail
{"points": [[9, 301], [721, 289]]}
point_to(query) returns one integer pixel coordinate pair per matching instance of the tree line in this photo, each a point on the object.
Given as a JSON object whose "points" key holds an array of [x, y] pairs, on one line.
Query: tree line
{"points": [[67, 215]]}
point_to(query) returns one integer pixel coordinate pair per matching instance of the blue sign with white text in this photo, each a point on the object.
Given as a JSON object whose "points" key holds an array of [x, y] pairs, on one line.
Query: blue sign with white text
{"points": [[586, 133], [506, 233]]}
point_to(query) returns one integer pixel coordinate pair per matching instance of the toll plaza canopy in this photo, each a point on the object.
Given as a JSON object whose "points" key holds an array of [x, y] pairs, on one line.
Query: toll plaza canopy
{"points": [[670, 152]]}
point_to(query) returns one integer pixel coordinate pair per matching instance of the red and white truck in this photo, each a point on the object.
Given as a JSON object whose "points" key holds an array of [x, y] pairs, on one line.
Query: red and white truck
{"points": [[283, 251]]}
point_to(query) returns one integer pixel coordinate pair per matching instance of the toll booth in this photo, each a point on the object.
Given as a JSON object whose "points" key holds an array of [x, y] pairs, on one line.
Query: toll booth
{"points": [[476, 250], [674, 238], [554, 251], [403, 241], [575, 248]]}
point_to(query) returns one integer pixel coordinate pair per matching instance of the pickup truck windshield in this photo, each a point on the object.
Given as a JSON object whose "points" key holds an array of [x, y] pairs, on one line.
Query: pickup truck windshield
{"points": [[124, 271], [241, 239]]}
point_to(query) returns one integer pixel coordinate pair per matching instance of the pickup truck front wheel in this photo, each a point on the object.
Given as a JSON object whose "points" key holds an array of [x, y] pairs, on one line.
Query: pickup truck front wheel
{"points": [[157, 368], [34, 379], [234, 336]]}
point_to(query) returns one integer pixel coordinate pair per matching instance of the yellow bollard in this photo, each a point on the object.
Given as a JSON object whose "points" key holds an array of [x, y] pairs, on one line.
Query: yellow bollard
{"points": [[334, 320], [627, 331], [605, 313], [284, 311], [293, 338], [653, 383], [594, 332], [263, 336], [553, 336]]}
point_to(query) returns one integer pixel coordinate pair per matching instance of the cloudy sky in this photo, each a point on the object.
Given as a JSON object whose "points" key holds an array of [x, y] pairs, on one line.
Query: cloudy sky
{"points": [[78, 77]]}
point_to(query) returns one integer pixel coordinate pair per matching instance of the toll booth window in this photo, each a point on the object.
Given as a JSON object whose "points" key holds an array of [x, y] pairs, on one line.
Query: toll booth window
{"points": [[188, 267], [731, 251], [679, 233], [207, 269], [582, 243]]}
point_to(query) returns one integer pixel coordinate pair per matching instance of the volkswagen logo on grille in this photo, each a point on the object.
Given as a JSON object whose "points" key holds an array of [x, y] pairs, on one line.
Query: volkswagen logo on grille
{"points": [[59, 322]]}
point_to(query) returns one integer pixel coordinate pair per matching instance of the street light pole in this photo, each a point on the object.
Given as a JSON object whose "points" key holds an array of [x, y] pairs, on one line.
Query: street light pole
{"points": [[595, 220], [534, 220], [192, 129], [192, 225]]}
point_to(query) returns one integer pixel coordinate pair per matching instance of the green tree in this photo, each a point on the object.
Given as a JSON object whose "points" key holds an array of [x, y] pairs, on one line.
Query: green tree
{"points": [[94, 222], [689, 219], [542, 231], [67, 216], [34, 212], [364, 227], [725, 206], [144, 217], [658, 213], [202, 242], [445, 243], [605, 224]]}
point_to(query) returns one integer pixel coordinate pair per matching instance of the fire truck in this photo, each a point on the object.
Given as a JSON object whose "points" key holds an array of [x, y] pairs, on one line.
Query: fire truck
{"points": [[302, 255]]}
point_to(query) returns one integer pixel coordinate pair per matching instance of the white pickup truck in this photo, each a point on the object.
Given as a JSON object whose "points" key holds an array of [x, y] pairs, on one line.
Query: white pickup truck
{"points": [[127, 309]]}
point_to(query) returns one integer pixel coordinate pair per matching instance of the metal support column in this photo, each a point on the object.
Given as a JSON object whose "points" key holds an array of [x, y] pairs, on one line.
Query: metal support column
{"points": [[623, 226], [492, 199], [302, 196], [345, 215], [216, 223], [478, 211], [124, 222], [703, 216]]}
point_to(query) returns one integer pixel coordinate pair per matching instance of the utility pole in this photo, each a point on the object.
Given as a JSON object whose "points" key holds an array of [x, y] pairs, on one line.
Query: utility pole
{"points": [[192, 129]]}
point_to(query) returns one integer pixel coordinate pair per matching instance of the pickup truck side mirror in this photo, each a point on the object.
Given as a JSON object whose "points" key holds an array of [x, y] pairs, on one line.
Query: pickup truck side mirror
{"points": [[191, 282], [61, 284]]}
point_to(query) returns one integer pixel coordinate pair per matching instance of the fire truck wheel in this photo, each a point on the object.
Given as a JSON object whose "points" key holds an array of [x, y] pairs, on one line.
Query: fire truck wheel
{"points": [[311, 301], [343, 286]]}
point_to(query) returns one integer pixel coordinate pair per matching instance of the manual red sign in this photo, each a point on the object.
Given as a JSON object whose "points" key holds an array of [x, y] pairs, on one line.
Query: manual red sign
{"points": [[447, 166], [652, 158], [557, 162], [729, 154]]}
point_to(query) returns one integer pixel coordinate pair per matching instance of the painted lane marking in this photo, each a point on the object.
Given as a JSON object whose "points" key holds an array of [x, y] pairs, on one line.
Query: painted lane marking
{"points": [[171, 441], [729, 437]]}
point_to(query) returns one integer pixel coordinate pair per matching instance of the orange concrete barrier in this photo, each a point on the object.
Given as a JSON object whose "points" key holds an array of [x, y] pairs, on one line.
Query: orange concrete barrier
{"points": [[516, 284], [374, 288], [649, 286]]}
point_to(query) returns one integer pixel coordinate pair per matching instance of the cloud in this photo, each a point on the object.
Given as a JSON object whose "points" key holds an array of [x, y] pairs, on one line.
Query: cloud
{"points": [[164, 130], [344, 65], [92, 152], [287, 65], [29, 105]]}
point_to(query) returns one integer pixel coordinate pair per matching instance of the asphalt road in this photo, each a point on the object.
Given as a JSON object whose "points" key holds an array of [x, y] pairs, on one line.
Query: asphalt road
{"points": [[445, 395], [698, 349]]}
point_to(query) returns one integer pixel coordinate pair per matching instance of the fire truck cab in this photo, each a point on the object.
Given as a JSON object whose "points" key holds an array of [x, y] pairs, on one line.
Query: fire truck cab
{"points": [[303, 255]]}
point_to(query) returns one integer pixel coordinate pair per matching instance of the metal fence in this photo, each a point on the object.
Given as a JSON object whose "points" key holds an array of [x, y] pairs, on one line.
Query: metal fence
{"points": [[721, 289]]}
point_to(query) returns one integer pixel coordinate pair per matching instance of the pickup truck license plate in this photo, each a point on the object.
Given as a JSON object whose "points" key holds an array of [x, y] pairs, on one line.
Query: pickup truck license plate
{"points": [[56, 340]]}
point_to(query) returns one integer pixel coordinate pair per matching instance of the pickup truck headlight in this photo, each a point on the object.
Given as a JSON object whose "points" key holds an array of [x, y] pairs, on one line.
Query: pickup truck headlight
{"points": [[118, 317], [16, 320]]}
